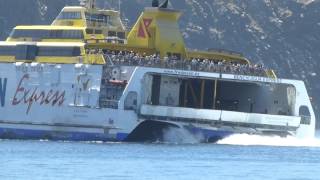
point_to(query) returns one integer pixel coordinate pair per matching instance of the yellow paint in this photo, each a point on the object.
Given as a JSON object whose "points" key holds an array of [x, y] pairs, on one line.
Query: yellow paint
{"points": [[163, 34], [58, 60], [87, 59], [70, 22], [156, 31], [7, 59]]}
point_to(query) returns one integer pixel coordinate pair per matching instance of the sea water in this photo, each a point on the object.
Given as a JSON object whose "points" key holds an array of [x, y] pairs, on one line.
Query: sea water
{"points": [[237, 157]]}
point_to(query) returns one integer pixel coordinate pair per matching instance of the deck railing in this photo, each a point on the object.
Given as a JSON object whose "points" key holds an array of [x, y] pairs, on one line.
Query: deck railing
{"points": [[189, 65]]}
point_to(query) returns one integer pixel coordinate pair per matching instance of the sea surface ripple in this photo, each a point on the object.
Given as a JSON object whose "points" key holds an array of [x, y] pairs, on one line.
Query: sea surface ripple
{"points": [[238, 157]]}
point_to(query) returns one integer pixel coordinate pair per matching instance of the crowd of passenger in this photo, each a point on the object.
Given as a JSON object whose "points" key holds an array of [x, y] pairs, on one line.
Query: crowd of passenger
{"points": [[173, 62]]}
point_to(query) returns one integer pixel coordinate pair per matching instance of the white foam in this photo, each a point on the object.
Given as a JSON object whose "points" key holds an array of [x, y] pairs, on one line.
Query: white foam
{"points": [[181, 136], [257, 140]]}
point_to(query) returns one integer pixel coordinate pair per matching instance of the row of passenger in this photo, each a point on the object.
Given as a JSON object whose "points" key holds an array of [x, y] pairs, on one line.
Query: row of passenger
{"points": [[206, 65]]}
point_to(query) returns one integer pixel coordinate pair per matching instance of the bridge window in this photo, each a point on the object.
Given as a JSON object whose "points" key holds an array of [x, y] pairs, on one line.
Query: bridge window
{"points": [[69, 15], [97, 18], [305, 115], [59, 51]]}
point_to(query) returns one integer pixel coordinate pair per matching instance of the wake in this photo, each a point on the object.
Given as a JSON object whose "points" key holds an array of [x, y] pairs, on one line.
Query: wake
{"points": [[258, 140]]}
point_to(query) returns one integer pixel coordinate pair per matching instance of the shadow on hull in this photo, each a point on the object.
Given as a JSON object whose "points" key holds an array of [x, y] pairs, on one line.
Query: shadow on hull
{"points": [[150, 131], [156, 131]]}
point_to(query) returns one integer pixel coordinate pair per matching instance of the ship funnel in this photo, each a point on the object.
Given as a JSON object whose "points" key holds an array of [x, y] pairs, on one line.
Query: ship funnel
{"points": [[157, 28]]}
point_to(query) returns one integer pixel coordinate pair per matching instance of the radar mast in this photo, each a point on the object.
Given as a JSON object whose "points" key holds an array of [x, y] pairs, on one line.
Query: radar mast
{"points": [[89, 4]]}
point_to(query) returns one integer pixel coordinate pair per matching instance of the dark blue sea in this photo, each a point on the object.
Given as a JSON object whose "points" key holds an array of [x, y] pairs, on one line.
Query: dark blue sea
{"points": [[238, 157]]}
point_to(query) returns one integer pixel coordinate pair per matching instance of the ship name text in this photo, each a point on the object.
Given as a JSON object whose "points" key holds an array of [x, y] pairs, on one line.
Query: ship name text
{"points": [[255, 78], [182, 73], [30, 96], [3, 90]]}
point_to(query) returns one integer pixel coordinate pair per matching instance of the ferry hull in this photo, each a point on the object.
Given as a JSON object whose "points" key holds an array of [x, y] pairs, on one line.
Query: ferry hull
{"points": [[63, 102], [187, 135]]}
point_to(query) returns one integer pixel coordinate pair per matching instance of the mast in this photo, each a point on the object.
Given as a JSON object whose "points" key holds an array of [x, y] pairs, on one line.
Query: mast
{"points": [[89, 4]]}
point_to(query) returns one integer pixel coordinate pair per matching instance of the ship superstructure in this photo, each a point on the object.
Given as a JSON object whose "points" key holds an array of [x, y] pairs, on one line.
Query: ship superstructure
{"points": [[85, 77]]}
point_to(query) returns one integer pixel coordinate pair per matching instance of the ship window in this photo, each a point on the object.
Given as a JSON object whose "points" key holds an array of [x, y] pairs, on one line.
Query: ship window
{"points": [[98, 31], [7, 50], [47, 34], [97, 18], [112, 33], [89, 31], [72, 34], [26, 52], [130, 102], [69, 15], [305, 115], [59, 51], [121, 35], [26, 33]]}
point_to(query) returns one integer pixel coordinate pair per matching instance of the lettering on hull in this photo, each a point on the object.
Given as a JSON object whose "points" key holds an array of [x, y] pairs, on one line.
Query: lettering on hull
{"points": [[256, 78], [30, 96], [3, 89]]}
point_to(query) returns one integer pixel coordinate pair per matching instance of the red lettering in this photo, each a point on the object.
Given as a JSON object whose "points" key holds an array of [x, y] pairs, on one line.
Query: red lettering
{"points": [[147, 23], [15, 100], [22, 95]]}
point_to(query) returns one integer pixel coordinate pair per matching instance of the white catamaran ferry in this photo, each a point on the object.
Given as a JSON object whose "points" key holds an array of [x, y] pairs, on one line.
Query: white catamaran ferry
{"points": [[86, 77]]}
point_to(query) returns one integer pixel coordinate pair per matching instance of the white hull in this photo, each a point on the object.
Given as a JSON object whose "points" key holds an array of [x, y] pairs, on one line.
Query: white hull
{"points": [[62, 102]]}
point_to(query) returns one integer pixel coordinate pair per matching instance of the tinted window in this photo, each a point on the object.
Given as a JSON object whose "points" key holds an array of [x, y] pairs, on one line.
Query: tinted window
{"points": [[89, 31], [304, 111], [72, 34], [98, 31], [121, 35], [112, 33], [59, 51], [69, 15], [22, 33], [7, 51], [47, 34], [26, 52], [97, 18], [305, 115]]}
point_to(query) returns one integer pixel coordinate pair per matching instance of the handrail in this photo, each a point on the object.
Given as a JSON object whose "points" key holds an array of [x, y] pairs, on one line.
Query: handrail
{"points": [[190, 66]]}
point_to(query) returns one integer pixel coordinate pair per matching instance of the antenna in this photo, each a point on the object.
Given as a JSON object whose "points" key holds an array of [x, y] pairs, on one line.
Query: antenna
{"points": [[90, 4]]}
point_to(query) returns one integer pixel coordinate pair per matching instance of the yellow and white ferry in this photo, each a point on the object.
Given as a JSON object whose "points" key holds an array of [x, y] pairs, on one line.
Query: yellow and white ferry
{"points": [[86, 77]]}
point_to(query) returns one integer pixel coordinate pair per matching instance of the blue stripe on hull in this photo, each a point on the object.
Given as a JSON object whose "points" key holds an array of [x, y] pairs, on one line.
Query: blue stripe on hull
{"points": [[8, 133], [11, 133]]}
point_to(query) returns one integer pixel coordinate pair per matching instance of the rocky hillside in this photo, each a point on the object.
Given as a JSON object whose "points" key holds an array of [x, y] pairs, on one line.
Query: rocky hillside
{"points": [[284, 35]]}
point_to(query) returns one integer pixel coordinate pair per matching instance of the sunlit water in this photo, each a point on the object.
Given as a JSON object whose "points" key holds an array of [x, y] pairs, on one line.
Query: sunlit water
{"points": [[237, 157]]}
